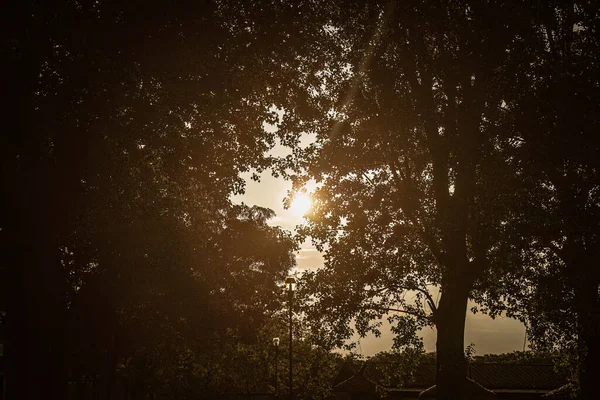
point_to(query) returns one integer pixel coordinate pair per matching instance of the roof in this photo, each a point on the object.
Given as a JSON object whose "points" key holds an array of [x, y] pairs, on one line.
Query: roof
{"points": [[475, 391], [494, 376], [562, 393], [516, 376], [345, 372], [356, 384]]}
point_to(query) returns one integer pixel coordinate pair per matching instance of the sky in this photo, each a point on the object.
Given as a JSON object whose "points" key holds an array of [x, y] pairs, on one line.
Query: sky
{"points": [[500, 335]]}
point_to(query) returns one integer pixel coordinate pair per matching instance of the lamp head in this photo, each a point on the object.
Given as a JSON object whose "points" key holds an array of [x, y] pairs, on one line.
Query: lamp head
{"points": [[290, 283]]}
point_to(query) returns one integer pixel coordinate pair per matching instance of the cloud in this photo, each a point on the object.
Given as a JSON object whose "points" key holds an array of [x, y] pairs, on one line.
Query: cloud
{"points": [[309, 259]]}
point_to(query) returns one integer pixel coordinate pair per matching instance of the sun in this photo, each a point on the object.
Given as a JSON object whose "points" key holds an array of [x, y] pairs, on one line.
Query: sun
{"points": [[301, 204]]}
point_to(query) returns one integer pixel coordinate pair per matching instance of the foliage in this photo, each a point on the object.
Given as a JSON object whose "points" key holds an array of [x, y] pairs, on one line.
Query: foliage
{"points": [[398, 368], [455, 150], [470, 352], [129, 135], [556, 224], [517, 357], [414, 181]]}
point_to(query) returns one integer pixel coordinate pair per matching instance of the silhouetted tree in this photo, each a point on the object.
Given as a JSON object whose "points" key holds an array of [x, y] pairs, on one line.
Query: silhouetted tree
{"points": [[553, 114], [412, 172], [127, 131]]}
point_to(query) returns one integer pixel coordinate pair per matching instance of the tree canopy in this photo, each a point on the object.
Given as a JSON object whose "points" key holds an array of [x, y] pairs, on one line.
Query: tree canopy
{"points": [[127, 137], [414, 180], [453, 150], [553, 115]]}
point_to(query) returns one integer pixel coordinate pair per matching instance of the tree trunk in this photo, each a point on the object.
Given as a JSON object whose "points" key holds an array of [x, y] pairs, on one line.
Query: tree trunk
{"points": [[80, 387], [588, 345], [112, 359], [16, 348], [450, 323]]}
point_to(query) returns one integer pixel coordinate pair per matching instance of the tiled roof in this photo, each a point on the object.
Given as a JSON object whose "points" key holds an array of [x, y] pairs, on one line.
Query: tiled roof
{"points": [[346, 372], [491, 376], [515, 376], [474, 390], [562, 393]]}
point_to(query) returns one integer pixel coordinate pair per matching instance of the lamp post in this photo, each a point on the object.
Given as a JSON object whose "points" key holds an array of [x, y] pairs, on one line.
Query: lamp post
{"points": [[276, 344], [290, 284]]}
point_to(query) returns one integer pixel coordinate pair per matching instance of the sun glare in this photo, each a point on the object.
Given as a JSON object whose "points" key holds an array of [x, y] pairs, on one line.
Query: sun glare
{"points": [[300, 204]]}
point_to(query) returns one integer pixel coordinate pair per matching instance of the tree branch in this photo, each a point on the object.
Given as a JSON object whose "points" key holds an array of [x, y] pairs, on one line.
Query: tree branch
{"points": [[398, 310], [409, 209], [429, 298], [368, 179]]}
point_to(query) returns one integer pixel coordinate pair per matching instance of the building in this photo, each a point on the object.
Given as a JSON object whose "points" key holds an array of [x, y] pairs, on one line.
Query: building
{"points": [[488, 380]]}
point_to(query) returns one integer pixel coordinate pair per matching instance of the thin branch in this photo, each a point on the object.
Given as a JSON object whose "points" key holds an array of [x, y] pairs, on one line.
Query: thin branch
{"points": [[368, 179], [557, 250], [391, 309], [410, 211], [429, 299], [377, 291]]}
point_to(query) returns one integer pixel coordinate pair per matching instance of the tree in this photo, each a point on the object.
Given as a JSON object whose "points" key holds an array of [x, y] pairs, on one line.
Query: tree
{"points": [[177, 305], [413, 176], [558, 223], [314, 363], [128, 131]]}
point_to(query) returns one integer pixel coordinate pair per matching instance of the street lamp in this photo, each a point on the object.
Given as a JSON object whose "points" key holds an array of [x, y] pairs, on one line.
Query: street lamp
{"points": [[290, 284], [276, 344]]}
